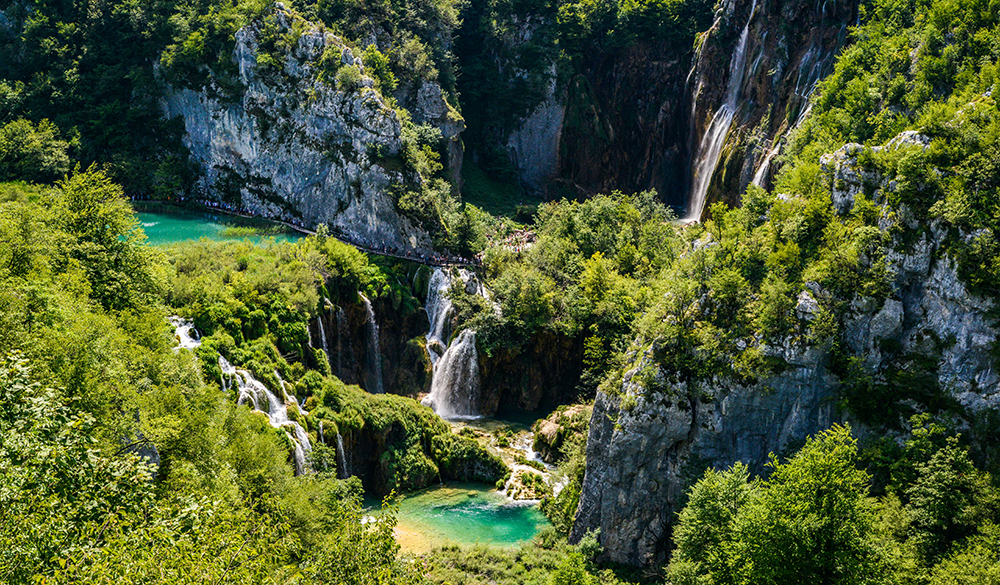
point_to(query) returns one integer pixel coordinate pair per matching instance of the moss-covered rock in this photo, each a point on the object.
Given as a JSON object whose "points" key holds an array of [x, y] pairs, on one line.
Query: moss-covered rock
{"points": [[551, 433]]}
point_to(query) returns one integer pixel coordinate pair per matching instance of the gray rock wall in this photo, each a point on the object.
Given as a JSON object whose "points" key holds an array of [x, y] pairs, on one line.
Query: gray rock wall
{"points": [[293, 147], [534, 146], [641, 459]]}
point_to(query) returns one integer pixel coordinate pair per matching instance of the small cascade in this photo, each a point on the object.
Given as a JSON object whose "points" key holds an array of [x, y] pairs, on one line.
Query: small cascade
{"points": [[374, 353], [810, 71], [321, 328], [184, 330], [761, 174], [455, 382], [714, 139], [343, 469], [320, 435], [256, 393], [438, 308]]}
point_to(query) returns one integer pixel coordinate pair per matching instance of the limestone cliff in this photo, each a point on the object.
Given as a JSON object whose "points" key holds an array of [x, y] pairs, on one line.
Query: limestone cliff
{"points": [[291, 145], [653, 437], [789, 47]]}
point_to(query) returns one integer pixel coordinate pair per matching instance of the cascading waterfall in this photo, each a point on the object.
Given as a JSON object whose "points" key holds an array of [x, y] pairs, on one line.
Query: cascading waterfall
{"points": [[343, 469], [188, 337], [810, 68], [374, 353], [715, 136], [455, 382], [438, 306], [253, 391]]}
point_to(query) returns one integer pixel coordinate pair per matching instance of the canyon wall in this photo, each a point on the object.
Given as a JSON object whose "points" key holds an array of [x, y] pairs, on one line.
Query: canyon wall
{"points": [[650, 440]]}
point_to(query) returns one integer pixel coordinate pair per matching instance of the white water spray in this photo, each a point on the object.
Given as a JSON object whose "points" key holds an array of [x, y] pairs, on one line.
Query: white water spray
{"points": [[715, 136], [438, 308], [322, 336], [343, 469], [188, 337]]}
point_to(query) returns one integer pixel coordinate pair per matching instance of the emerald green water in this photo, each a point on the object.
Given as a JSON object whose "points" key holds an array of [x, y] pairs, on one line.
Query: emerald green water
{"points": [[464, 514], [163, 229]]}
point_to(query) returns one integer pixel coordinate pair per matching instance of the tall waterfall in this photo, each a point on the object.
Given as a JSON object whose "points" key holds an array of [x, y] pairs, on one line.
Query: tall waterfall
{"points": [[253, 391], [438, 306], [715, 137], [374, 352]]}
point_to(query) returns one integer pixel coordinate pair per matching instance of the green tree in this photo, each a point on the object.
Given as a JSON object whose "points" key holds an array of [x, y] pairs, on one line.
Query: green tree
{"points": [[705, 527], [56, 488], [812, 521], [108, 239], [948, 500], [30, 152]]}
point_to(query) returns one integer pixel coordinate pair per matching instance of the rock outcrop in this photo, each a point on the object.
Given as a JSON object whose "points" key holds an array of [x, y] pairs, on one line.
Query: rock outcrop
{"points": [[651, 440], [534, 145], [290, 145]]}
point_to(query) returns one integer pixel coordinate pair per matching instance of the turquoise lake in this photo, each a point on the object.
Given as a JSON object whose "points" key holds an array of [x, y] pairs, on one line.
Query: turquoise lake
{"points": [[163, 229], [464, 514]]}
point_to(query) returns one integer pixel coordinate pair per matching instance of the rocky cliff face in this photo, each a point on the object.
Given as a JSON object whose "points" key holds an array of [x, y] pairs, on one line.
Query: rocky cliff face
{"points": [[638, 117], [646, 447], [292, 146], [790, 46]]}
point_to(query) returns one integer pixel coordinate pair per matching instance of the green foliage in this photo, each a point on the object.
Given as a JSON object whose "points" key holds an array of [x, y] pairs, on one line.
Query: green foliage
{"points": [[811, 520], [925, 66], [378, 66], [46, 455], [87, 69], [546, 561], [108, 239], [32, 153], [348, 78]]}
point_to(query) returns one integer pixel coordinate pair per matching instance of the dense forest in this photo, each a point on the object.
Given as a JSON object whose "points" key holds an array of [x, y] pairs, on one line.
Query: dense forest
{"points": [[125, 458]]}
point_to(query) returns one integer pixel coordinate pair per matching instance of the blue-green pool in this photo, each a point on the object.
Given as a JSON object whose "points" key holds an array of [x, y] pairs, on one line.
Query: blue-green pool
{"points": [[163, 229], [464, 514]]}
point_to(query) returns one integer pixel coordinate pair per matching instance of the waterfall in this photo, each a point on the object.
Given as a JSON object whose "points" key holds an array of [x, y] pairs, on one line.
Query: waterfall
{"points": [[322, 336], [187, 335], [715, 136], [758, 177], [438, 306], [455, 373], [343, 469], [341, 332], [253, 391], [813, 65], [455, 382], [374, 353]]}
